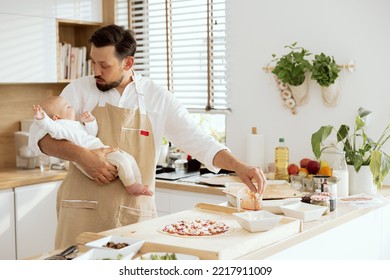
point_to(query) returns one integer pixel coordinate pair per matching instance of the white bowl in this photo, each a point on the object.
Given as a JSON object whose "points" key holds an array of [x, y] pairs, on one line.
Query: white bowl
{"points": [[148, 256], [102, 254], [133, 247], [254, 221], [273, 205], [303, 211]]}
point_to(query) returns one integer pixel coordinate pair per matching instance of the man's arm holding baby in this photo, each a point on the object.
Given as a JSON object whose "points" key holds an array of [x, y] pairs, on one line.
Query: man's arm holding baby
{"points": [[92, 161]]}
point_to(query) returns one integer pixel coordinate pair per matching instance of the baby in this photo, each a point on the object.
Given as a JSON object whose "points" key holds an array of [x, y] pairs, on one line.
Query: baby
{"points": [[58, 118]]}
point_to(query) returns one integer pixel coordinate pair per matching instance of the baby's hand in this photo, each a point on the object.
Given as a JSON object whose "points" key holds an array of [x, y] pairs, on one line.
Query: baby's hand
{"points": [[38, 112], [86, 117]]}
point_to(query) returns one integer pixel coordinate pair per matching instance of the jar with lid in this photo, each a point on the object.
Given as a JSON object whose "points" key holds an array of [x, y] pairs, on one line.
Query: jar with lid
{"points": [[336, 158], [340, 171], [331, 189], [320, 200]]}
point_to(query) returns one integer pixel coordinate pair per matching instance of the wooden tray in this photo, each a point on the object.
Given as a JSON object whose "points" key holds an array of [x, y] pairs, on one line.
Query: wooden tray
{"points": [[231, 245]]}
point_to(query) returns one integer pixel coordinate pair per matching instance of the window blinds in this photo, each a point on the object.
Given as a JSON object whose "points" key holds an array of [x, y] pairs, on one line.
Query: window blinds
{"points": [[181, 45]]}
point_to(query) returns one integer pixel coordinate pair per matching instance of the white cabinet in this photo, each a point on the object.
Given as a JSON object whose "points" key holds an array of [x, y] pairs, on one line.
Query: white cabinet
{"points": [[42, 8], [27, 49], [7, 225], [84, 10], [363, 238], [36, 218], [385, 248], [172, 201]]}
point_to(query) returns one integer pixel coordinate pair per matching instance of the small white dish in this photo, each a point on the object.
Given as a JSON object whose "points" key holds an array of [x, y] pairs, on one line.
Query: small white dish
{"points": [[163, 255], [102, 254], [134, 245], [303, 211], [273, 205], [255, 221]]}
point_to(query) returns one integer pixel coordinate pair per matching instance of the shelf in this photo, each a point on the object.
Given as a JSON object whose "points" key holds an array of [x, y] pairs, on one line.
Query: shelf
{"points": [[76, 33]]}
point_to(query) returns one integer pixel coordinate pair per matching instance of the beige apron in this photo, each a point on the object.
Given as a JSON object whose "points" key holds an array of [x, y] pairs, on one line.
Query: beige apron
{"points": [[83, 205]]}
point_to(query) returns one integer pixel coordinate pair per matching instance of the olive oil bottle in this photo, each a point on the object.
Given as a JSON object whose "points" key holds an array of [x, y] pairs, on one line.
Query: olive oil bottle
{"points": [[281, 161]]}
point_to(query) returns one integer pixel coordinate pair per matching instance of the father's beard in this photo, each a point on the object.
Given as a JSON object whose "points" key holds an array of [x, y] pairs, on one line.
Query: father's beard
{"points": [[107, 87]]}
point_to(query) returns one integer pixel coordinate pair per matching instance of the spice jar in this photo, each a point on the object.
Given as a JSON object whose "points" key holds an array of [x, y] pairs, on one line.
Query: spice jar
{"points": [[331, 188], [321, 200]]}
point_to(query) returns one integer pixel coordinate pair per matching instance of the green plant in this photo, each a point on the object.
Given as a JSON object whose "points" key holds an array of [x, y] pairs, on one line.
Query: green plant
{"points": [[358, 147], [324, 70], [292, 67]]}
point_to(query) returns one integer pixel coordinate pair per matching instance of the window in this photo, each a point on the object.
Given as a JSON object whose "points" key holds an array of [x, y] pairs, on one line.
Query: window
{"points": [[181, 45]]}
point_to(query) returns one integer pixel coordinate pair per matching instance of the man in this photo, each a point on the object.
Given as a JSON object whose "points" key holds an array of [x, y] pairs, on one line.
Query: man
{"points": [[133, 114]]}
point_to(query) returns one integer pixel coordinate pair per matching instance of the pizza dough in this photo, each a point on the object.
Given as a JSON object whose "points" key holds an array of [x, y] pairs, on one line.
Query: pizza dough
{"points": [[196, 228]]}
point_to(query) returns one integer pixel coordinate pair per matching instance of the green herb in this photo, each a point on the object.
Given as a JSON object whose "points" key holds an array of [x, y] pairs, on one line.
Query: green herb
{"points": [[167, 256], [291, 68], [325, 70]]}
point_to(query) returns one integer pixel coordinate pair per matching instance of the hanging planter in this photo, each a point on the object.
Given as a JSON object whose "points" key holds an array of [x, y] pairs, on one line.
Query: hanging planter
{"points": [[331, 94], [291, 69], [300, 92], [326, 72]]}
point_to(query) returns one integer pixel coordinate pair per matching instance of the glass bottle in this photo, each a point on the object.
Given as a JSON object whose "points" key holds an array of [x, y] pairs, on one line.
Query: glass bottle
{"points": [[340, 171], [281, 161]]}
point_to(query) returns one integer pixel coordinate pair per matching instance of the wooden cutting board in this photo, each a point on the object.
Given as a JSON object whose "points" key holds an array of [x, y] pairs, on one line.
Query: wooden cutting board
{"points": [[274, 190], [280, 191], [236, 243]]}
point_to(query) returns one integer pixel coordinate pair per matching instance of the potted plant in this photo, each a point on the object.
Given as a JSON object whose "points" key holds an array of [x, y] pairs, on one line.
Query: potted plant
{"points": [[360, 150], [326, 72], [291, 69]]}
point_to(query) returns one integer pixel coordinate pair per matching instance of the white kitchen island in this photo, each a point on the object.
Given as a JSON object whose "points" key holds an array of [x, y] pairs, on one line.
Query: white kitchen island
{"points": [[351, 232]]}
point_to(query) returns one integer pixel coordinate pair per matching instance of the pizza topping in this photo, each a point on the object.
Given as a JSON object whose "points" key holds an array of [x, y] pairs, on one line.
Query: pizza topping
{"points": [[197, 227]]}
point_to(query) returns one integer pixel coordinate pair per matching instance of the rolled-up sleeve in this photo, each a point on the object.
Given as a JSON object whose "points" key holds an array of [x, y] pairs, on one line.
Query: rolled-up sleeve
{"points": [[184, 133]]}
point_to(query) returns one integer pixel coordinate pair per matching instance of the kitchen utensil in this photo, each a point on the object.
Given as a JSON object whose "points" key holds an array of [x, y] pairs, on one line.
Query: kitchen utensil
{"points": [[63, 254]]}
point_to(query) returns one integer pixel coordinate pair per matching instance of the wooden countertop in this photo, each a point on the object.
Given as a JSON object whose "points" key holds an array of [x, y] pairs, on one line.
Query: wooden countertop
{"points": [[13, 177], [189, 187]]}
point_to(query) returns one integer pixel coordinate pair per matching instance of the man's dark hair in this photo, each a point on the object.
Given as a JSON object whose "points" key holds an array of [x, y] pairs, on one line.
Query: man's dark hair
{"points": [[114, 35]]}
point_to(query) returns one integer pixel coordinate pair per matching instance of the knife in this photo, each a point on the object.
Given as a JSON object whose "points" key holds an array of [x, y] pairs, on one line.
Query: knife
{"points": [[63, 254]]}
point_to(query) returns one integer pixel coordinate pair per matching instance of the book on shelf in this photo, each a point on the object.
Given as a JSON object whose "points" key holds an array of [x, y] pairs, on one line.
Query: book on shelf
{"points": [[73, 62]]}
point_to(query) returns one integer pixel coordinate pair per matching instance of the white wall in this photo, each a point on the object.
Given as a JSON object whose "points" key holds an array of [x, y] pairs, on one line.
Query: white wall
{"points": [[348, 29]]}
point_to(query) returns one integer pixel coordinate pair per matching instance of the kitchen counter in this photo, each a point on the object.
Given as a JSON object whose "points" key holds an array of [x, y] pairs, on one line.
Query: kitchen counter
{"points": [[13, 177]]}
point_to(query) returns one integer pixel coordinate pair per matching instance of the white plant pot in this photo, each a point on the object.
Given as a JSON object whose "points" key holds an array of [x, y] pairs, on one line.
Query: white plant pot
{"points": [[301, 93], [361, 182]]}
